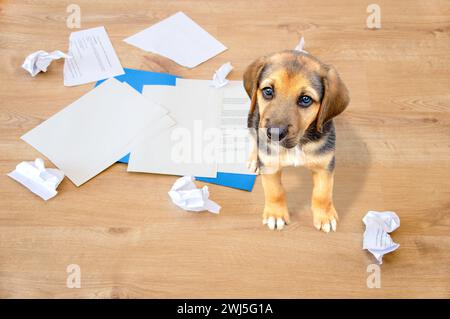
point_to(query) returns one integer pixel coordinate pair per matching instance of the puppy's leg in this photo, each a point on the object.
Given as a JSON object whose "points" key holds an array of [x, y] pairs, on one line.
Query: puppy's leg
{"points": [[252, 162], [276, 213], [324, 214]]}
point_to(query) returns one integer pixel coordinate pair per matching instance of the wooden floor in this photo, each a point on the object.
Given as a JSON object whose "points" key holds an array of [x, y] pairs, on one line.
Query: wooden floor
{"points": [[131, 241]]}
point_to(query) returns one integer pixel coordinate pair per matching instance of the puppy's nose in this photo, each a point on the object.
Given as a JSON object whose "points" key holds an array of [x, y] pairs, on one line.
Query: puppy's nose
{"points": [[277, 133]]}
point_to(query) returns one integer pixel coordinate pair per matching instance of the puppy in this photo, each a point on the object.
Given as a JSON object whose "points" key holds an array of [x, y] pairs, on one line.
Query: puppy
{"points": [[294, 98]]}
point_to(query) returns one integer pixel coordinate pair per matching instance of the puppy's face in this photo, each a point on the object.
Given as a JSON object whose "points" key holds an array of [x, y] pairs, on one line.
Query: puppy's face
{"points": [[290, 92]]}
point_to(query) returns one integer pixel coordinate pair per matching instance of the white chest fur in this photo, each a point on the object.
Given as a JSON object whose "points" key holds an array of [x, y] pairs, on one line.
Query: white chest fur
{"points": [[282, 157], [292, 157]]}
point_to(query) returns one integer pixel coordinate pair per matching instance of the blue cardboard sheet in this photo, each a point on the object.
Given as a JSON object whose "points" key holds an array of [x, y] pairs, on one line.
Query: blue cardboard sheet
{"points": [[233, 180], [137, 79]]}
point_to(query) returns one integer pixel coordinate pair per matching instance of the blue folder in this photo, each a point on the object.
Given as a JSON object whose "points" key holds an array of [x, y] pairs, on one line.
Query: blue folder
{"points": [[137, 79]]}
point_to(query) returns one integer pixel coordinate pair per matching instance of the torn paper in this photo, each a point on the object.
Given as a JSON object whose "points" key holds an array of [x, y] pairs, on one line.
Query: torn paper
{"points": [[376, 236], [301, 45], [40, 60], [93, 58], [96, 130], [38, 179], [187, 196], [180, 39], [219, 79]]}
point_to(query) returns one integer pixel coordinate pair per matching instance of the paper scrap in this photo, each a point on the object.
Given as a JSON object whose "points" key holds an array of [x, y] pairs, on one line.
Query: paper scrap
{"points": [[95, 131], [38, 179], [187, 196], [301, 46], [40, 60], [219, 79], [180, 39], [93, 59], [376, 236]]}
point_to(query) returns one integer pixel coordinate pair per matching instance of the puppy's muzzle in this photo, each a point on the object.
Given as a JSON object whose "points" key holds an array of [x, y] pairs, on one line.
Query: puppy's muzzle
{"points": [[277, 134]]}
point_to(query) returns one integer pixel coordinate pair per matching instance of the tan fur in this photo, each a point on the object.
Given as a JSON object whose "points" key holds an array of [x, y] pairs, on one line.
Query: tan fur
{"points": [[322, 198], [275, 197]]}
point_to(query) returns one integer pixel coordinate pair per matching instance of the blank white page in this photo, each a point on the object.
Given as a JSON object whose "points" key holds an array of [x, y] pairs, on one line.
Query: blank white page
{"points": [[178, 38]]}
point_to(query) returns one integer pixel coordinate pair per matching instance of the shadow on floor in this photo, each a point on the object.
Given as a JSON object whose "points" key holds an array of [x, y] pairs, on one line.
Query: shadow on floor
{"points": [[352, 164]]}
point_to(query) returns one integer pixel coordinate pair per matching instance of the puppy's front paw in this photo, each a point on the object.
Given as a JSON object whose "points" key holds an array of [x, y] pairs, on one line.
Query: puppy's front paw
{"points": [[325, 219], [253, 165], [275, 217]]}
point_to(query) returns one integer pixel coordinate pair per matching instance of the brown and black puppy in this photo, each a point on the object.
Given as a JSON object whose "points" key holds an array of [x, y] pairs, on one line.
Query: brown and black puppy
{"points": [[294, 98]]}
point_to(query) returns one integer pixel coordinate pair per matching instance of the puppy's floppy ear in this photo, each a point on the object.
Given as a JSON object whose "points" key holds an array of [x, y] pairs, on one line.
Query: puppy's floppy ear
{"points": [[251, 77], [335, 98]]}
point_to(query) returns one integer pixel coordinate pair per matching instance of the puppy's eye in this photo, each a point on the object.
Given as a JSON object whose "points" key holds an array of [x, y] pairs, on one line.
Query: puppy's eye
{"points": [[267, 93], [304, 101]]}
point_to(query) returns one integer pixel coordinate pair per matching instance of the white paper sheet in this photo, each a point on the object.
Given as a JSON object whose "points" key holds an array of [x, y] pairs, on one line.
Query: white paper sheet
{"points": [[95, 131], [40, 60], [187, 196], [180, 39], [93, 58], [219, 78], [38, 179], [195, 107], [236, 143], [376, 236]]}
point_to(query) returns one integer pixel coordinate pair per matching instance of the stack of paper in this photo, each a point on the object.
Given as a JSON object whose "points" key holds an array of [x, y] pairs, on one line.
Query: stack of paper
{"points": [[233, 109], [208, 119]]}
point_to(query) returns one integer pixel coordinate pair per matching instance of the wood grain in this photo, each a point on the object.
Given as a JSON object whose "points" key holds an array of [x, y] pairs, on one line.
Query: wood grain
{"points": [[131, 241]]}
